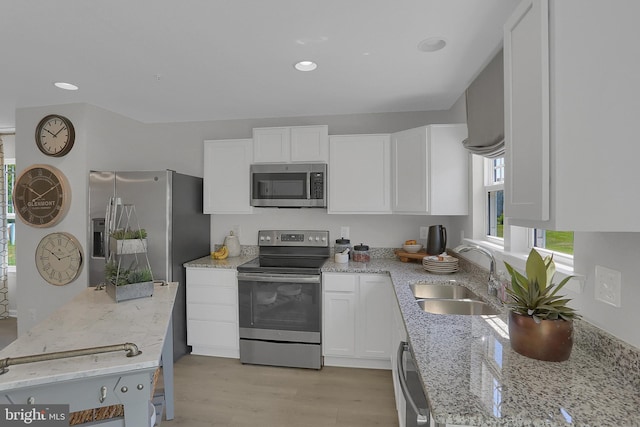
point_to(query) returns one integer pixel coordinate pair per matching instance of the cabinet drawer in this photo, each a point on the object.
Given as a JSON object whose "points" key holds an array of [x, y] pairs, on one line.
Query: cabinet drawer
{"points": [[340, 283], [212, 294], [212, 334], [210, 276], [224, 313]]}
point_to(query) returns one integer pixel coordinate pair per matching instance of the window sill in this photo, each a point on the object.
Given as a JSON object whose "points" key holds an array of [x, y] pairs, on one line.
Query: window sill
{"points": [[518, 260]]}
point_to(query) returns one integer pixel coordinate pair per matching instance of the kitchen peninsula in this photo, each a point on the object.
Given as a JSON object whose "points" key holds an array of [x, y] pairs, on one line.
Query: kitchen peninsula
{"points": [[93, 319]]}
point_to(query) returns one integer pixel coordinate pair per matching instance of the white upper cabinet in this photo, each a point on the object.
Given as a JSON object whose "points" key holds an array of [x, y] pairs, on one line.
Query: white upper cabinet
{"points": [[429, 170], [359, 174], [571, 102], [226, 176], [290, 144]]}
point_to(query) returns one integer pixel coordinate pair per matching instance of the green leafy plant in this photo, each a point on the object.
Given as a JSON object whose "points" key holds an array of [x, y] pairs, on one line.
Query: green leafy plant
{"points": [[137, 276], [125, 276], [124, 234], [535, 294]]}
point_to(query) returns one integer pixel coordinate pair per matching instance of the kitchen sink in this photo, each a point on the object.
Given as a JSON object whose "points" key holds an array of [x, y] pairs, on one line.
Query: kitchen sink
{"points": [[456, 306], [457, 292]]}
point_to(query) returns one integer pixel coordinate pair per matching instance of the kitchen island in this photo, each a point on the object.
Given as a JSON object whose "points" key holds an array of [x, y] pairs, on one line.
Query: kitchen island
{"points": [[472, 377], [93, 319]]}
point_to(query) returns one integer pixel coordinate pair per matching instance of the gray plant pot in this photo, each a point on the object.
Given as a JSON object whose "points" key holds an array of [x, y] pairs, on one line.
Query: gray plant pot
{"points": [[130, 291]]}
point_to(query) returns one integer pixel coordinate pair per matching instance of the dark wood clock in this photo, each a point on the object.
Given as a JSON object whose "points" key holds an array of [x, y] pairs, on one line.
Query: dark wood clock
{"points": [[41, 196], [55, 135]]}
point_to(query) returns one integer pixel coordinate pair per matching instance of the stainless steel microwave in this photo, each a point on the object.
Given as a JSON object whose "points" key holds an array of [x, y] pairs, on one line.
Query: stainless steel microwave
{"points": [[289, 185]]}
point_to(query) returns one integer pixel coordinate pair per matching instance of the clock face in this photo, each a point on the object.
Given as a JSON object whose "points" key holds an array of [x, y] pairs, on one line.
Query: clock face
{"points": [[41, 196], [55, 135], [59, 258]]}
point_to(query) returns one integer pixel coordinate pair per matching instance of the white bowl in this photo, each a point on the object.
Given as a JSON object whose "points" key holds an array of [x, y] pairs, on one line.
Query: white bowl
{"points": [[412, 248]]}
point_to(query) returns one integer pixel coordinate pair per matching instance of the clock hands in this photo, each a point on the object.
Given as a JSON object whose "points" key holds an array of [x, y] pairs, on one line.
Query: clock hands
{"points": [[54, 134], [60, 130], [42, 195], [35, 192], [53, 254]]}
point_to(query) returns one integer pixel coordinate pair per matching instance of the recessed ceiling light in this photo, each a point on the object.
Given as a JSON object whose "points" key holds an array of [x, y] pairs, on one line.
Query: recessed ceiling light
{"points": [[432, 44], [65, 86], [305, 66]]}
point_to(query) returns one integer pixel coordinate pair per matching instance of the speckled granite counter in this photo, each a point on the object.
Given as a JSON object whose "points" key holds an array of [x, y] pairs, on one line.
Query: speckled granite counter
{"points": [[208, 262], [472, 377]]}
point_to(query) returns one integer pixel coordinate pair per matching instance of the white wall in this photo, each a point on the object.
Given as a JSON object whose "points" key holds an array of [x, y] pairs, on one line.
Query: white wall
{"points": [[35, 298]]}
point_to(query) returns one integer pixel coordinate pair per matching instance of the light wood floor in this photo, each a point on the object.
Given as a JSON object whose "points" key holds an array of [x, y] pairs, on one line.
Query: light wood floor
{"points": [[221, 392]]}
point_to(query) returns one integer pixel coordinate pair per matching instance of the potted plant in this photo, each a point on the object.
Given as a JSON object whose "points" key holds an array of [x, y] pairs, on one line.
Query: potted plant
{"points": [[128, 283], [127, 241], [540, 322]]}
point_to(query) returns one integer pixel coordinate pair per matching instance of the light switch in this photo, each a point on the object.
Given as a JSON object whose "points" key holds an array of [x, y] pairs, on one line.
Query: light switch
{"points": [[608, 287]]}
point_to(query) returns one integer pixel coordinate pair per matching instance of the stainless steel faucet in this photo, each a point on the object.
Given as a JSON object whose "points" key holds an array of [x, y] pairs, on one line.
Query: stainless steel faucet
{"points": [[494, 283]]}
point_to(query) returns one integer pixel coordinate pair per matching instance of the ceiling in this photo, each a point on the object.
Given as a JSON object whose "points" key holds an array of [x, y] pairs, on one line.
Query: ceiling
{"points": [[194, 60]]}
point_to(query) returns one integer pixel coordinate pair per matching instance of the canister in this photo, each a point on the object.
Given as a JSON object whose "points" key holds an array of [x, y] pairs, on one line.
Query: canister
{"points": [[360, 253], [342, 244]]}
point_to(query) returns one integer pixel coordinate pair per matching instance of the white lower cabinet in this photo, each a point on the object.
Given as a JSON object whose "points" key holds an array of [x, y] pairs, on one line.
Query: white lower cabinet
{"points": [[357, 320], [212, 312]]}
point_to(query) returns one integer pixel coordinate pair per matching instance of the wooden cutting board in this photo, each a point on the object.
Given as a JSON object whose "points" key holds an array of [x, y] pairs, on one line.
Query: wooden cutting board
{"points": [[405, 256]]}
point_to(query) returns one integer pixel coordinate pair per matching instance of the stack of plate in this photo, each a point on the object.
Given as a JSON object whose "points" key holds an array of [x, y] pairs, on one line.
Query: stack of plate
{"points": [[440, 264]]}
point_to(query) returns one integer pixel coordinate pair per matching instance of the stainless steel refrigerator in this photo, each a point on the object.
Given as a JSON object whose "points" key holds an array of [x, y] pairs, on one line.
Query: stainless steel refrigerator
{"points": [[168, 206]]}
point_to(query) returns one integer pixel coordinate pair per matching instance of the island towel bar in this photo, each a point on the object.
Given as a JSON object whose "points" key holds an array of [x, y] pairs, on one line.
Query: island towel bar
{"points": [[131, 349]]}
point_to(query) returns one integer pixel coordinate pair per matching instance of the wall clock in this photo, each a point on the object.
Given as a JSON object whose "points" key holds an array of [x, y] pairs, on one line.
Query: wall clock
{"points": [[41, 196], [59, 258], [55, 135]]}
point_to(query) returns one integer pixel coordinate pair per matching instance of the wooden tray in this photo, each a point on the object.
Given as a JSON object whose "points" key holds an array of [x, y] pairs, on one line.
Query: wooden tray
{"points": [[405, 256]]}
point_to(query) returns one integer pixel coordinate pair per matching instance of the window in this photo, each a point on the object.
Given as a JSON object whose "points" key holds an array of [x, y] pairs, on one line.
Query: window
{"points": [[554, 241], [494, 195], [9, 179]]}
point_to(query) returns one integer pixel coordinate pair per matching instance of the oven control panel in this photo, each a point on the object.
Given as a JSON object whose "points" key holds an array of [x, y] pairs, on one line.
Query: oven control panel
{"points": [[313, 238]]}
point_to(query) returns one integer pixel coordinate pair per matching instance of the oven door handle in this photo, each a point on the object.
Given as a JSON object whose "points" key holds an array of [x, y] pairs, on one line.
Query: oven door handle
{"points": [[422, 417], [283, 278]]}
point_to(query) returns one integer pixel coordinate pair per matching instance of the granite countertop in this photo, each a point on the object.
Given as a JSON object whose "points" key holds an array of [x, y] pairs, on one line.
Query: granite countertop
{"points": [[208, 262], [92, 319], [471, 376]]}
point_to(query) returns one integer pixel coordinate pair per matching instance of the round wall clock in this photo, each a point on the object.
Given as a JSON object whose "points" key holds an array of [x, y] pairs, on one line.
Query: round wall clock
{"points": [[55, 135], [41, 196], [59, 258]]}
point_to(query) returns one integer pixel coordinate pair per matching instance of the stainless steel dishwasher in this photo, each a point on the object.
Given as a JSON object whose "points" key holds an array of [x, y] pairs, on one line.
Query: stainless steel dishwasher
{"points": [[417, 412]]}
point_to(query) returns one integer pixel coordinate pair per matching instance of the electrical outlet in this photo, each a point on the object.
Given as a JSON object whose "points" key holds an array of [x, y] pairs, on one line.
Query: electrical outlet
{"points": [[608, 287], [344, 232], [236, 231], [33, 314], [423, 232]]}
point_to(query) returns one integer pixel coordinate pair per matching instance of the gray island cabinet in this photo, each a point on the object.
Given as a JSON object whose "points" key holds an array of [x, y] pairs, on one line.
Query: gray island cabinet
{"points": [[93, 319]]}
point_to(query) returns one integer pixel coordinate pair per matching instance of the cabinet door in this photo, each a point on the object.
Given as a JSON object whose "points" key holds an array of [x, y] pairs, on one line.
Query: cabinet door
{"points": [[271, 145], [448, 170], [212, 312], [359, 174], [227, 183], [526, 73], [339, 319], [310, 144], [409, 164], [374, 317]]}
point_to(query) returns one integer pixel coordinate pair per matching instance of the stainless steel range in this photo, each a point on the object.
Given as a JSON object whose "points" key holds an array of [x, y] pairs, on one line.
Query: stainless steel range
{"points": [[280, 299]]}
